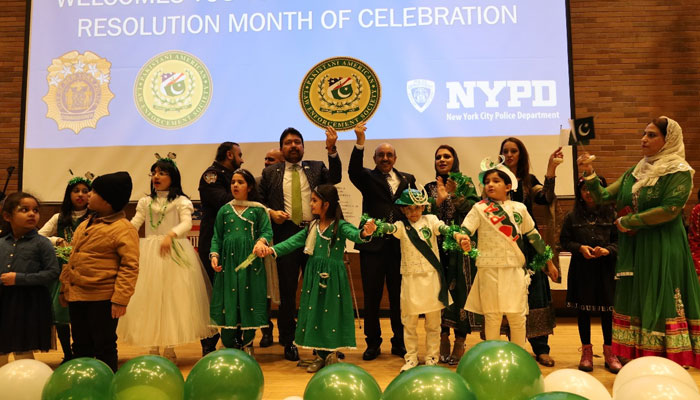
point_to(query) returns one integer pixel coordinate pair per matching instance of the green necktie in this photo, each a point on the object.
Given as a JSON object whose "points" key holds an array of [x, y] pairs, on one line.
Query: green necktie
{"points": [[297, 213]]}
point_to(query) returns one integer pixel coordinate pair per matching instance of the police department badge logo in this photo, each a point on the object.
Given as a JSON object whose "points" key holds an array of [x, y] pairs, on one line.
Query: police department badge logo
{"points": [[79, 92], [420, 93], [172, 90], [340, 92]]}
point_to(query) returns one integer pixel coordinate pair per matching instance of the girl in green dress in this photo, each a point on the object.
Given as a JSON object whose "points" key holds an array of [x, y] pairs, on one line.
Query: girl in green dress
{"points": [[325, 321], [59, 229], [239, 298], [657, 297]]}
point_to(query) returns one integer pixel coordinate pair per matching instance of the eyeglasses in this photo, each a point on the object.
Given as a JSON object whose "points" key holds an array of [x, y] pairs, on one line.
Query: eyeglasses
{"points": [[158, 173]]}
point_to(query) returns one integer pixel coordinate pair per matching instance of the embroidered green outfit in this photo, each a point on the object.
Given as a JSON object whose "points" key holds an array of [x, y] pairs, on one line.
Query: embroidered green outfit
{"points": [[325, 319], [239, 298]]}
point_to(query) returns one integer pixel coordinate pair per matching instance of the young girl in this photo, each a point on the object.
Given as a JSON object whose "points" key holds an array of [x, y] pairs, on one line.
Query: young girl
{"points": [[59, 229], [590, 235], [423, 285], [501, 283], [325, 320], [239, 300], [28, 265], [170, 301]]}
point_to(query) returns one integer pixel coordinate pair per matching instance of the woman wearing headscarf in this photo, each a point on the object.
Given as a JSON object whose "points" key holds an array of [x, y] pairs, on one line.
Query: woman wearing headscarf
{"points": [[451, 208], [657, 297]]}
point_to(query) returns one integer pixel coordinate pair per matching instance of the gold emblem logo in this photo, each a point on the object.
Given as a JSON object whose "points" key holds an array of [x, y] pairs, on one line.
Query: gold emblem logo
{"points": [[340, 92], [173, 89], [78, 90]]}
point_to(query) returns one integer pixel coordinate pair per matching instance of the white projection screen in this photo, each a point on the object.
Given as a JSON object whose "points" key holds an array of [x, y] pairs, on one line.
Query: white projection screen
{"points": [[464, 73]]}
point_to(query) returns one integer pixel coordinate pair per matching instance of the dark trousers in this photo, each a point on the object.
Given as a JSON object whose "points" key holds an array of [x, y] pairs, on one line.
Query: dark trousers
{"points": [[288, 268], [94, 331], [376, 268], [539, 344]]}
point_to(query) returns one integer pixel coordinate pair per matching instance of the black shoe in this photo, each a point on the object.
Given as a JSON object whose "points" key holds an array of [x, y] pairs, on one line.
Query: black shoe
{"points": [[371, 353], [291, 352], [398, 351], [209, 344], [266, 340], [340, 355]]}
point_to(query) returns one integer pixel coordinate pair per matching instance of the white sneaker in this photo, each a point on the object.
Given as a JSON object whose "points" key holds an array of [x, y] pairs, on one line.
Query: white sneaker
{"points": [[409, 364], [431, 361]]}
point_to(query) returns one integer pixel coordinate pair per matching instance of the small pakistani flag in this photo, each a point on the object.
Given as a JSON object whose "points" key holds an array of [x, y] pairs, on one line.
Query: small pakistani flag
{"points": [[583, 130]]}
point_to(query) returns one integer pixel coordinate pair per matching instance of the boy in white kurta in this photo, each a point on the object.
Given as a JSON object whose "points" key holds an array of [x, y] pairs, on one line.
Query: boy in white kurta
{"points": [[502, 279], [423, 288]]}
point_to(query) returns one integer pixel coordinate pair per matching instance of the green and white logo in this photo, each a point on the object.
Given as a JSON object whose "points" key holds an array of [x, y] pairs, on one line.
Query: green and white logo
{"points": [[173, 89]]}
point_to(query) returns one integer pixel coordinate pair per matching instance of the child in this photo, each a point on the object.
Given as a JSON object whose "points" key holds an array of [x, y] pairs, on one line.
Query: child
{"points": [[99, 278], [590, 235], [28, 265], [59, 229], [501, 283], [239, 298], [325, 320], [170, 303], [423, 286]]}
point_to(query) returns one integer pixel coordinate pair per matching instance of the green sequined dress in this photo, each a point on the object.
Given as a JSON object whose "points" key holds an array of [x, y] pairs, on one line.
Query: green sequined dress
{"points": [[239, 299], [657, 297], [325, 319]]}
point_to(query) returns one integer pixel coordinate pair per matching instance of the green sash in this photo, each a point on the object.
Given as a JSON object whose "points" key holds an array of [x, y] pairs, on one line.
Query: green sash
{"points": [[425, 250]]}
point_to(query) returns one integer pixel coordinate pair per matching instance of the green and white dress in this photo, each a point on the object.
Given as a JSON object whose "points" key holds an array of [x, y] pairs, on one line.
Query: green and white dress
{"points": [[239, 299], [325, 319]]}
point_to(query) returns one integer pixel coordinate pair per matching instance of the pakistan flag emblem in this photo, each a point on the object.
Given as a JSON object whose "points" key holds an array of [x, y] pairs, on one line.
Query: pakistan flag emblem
{"points": [[172, 90]]}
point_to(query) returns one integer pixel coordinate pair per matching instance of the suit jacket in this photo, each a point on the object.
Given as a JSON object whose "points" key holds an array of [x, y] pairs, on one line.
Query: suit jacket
{"points": [[272, 194], [377, 199]]}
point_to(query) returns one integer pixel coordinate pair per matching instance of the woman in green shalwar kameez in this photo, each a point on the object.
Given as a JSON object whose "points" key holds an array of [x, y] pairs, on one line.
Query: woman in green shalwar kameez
{"points": [[325, 321], [657, 297]]}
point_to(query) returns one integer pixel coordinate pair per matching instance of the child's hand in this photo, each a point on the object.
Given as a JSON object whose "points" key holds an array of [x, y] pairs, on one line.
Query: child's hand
{"points": [[118, 310], [260, 249], [464, 241], [600, 251], [215, 264], [8, 278], [586, 251], [165, 246], [369, 228], [552, 271]]}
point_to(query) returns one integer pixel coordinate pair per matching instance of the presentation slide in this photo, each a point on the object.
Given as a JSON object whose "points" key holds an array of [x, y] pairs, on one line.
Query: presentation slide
{"points": [[110, 82]]}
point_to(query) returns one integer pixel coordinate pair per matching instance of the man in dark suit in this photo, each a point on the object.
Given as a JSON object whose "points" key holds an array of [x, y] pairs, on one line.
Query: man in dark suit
{"points": [[214, 192], [380, 259], [286, 189]]}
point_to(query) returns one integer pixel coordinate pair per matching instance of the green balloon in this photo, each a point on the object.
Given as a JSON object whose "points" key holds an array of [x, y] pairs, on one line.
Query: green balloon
{"points": [[342, 381], [79, 379], [497, 370], [557, 396], [428, 383], [226, 374], [148, 377]]}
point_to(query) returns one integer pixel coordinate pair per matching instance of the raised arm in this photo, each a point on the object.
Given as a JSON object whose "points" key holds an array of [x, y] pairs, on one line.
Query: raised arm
{"points": [[356, 169]]}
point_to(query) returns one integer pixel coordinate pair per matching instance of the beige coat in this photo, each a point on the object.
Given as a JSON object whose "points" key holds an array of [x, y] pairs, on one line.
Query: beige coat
{"points": [[104, 264]]}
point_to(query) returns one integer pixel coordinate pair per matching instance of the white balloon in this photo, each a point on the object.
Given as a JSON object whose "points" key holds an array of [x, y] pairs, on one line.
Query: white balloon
{"points": [[24, 379], [576, 382], [293, 398], [656, 387], [651, 365]]}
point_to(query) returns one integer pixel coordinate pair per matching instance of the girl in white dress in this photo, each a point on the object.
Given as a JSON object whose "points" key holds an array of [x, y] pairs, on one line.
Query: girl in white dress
{"points": [[502, 278], [170, 305]]}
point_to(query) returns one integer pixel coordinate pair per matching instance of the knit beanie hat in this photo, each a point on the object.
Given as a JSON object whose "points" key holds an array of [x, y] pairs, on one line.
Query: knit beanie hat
{"points": [[114, 188]]}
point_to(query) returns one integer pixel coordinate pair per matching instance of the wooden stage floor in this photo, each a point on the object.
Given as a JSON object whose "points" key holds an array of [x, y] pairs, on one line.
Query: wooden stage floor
{"points": [[283, 378]]}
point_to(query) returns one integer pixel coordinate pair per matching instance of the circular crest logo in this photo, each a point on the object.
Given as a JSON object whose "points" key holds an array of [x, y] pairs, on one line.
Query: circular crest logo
{"points": [[173, 89], [340, 92], [78, 90]]}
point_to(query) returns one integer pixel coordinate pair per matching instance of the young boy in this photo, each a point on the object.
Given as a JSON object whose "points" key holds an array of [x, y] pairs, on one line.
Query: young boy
{"points": [[423, 287], [100, 276]]}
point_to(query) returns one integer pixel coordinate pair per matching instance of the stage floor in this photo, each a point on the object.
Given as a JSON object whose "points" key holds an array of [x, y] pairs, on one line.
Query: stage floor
{"points": [[283, 378]]}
